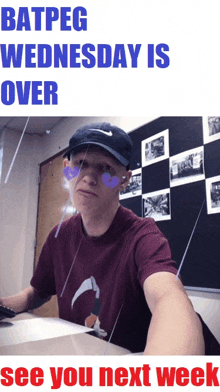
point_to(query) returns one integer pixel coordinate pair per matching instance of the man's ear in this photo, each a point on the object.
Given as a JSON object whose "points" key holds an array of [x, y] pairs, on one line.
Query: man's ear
{"points": [[125, 180], [66, 162]]}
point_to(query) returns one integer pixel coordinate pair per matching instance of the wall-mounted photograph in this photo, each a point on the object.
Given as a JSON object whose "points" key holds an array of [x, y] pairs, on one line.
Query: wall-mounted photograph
{"points": [[211, 129], [155, 148], [134, 187], [156, 205], [213, 194], [186, 167]]}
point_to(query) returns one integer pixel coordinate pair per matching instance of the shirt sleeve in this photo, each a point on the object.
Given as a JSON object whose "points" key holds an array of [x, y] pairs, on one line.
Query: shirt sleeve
{"points": [[153, 252], [43, 279]]}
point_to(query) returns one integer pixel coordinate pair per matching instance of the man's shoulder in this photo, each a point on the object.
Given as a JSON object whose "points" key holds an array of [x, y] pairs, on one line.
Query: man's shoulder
{"points": [[135, 222]]}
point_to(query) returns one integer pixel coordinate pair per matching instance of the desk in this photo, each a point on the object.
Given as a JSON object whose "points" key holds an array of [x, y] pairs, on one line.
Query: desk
{"points": [[78, 344]]}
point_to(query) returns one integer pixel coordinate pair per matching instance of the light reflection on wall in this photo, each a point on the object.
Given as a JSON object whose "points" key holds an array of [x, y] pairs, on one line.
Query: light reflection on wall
{"points": [[65, 184], [70, 209]]}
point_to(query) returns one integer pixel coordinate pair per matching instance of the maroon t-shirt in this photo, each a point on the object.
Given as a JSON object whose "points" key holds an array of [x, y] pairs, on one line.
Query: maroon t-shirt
{"points": [[106, 280]]}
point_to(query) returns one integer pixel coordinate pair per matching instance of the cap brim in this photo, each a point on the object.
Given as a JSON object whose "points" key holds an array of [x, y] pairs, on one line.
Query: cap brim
{"points": [[120, 158]]}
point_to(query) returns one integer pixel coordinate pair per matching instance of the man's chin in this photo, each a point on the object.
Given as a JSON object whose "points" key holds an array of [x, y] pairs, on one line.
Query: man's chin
{"points": [[86, 208]]}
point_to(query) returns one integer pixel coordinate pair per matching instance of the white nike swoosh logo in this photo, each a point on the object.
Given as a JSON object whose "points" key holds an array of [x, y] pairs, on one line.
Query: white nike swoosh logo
{"points": [[109, 133]]}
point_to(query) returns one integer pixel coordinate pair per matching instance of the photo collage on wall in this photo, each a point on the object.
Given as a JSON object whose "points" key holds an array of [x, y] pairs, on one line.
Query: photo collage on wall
{"points": [[213, 194], [211, 132], [155, 148], [156, 205], [185, 167]]}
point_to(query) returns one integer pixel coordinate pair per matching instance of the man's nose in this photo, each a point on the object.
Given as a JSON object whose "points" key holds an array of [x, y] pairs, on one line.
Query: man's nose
{"points": [[91, 176]]}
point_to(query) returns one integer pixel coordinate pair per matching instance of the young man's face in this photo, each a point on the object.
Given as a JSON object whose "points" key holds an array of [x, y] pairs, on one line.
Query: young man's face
{"points": [[100, 179]]}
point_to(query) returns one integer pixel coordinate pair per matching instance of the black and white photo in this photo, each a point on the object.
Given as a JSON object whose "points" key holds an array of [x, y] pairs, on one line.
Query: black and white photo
{"points": [[155, 148], [156, 205], [213, 194], [187, 167], [211, 129], [134, 187]]}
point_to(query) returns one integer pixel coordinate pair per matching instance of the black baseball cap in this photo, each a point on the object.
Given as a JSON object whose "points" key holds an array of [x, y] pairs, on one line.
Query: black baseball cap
{"points": [[109, 137]]}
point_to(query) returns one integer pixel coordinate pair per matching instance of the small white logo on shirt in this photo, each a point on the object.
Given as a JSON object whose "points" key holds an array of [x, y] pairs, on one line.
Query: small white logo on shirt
{"points": [[108, 133]]}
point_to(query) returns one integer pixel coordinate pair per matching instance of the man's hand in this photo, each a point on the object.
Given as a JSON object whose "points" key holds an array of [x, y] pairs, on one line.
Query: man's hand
{"points": [[175, 329], [23, 301], [1, 304], [6, 312]]}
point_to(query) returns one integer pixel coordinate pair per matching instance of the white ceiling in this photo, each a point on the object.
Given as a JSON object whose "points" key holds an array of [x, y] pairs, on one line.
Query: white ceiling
{"points": [[36, 125], [39, 125]]}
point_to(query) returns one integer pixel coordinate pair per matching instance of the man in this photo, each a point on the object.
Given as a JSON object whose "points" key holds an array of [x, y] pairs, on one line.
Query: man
{"points": [[109, 268]]}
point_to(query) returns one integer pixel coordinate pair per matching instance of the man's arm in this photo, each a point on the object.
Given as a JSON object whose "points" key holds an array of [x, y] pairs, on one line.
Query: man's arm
{"points": [[25, 300], [175, 329]]}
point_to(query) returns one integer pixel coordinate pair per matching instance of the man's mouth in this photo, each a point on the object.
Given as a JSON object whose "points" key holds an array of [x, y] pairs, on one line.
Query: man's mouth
{"points": [[86, 193]]}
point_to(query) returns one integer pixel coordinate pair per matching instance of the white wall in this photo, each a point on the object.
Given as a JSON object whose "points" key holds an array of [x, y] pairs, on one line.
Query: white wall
{"points": [[18, 210]]}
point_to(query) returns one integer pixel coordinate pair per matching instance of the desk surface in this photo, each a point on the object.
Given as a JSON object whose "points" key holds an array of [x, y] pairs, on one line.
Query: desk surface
{"points": [[78, 344]]}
